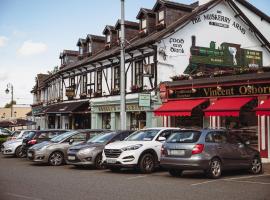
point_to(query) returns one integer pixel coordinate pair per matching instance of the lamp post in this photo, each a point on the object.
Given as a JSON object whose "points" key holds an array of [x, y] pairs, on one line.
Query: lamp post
{"points": [[10, 89]]}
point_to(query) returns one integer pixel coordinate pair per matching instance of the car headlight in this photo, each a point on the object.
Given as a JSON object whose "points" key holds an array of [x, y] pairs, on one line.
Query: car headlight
{"points": [[133, 147], [86, 151]]}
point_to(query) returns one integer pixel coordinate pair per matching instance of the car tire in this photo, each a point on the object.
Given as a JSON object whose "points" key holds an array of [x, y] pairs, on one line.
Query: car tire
{"points": [[19, 152], [175, 172], [147, 163], [98, 162], [256, 166], [56, 158], [215, 169], [115, 169]]}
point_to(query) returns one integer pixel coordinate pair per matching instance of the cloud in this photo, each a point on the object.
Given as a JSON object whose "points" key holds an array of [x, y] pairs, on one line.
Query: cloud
{"points": [[3, 76], [3, 41], [29, 48]]}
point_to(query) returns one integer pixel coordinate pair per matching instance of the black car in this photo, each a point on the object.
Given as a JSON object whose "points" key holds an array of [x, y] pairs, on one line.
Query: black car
{"points": [[35, 137]]}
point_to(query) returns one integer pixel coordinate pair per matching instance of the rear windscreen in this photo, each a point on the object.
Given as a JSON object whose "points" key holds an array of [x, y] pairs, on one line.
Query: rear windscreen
{"points": [[184, 137]]}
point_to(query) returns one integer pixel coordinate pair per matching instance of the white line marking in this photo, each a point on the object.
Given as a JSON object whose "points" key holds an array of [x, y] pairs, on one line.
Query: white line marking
{"points": [[135, 177], [22, 196], [253, 176], [254, 182], [204, 182]]}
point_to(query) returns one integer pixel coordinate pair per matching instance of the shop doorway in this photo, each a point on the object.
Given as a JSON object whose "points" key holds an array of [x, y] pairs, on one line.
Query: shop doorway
{"points": [[137, 120]]}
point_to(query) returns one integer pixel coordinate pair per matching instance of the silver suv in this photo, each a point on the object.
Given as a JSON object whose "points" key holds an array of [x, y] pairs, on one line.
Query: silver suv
{"points": [[210, 150]]}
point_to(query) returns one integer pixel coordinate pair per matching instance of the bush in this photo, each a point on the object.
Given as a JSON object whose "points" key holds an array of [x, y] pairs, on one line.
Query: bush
{"points": [[2, 139]]}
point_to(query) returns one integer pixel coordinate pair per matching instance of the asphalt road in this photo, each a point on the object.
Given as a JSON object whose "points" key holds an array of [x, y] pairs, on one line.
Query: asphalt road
{"points": [[22, 180]]}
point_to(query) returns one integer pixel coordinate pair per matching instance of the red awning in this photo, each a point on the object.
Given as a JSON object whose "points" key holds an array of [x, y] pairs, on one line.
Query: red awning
{"points": [[179, 107], [263, 108], [227, 106]]}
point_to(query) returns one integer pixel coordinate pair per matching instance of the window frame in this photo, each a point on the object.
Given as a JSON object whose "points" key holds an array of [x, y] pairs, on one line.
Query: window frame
{"points": [[143, 24], [138, 73], [99, 81], [108, 38], [159, 20], [116, 79]]}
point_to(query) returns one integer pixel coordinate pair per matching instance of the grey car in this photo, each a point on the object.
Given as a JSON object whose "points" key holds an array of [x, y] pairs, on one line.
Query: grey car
{"points": [[54, 152], [90, 153], [210, 150]]}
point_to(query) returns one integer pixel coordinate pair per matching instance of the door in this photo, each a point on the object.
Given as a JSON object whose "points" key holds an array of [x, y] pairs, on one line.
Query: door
{"points": [[158, 144]]}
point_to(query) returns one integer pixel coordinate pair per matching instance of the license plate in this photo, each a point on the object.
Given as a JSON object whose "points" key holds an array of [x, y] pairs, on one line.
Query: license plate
{"points": [[176, 152], [111, 161], [71, 158], [30, 155]]}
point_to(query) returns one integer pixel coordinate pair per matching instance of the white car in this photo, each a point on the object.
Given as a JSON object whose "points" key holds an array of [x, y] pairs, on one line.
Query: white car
{"points": [[141, 150], [18, 135]]}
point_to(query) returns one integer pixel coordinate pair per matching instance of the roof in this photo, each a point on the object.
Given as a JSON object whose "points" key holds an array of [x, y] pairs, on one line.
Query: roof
{"points": [[174, 5], [95, 38], [69, 53], [145, 11], [108, 28], [81, 41], [130, 24]]}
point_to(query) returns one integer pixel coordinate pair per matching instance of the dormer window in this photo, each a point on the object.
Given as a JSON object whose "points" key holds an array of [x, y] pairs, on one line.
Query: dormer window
{"points": [[81, 50], [108, 38], [89, 47], [161, 17], [119, 34], [143, 25]]}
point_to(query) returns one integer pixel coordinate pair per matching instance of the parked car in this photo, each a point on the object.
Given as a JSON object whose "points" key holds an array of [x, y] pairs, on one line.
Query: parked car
{"points": [[90, 153], [37, 136], [5, 132], [13, 147], [210, 150], [18, 134], [140, 150], [54, 152]]}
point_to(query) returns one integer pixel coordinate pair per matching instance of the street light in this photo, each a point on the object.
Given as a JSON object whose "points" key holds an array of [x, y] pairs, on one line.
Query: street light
{"points": [[10, 89]]}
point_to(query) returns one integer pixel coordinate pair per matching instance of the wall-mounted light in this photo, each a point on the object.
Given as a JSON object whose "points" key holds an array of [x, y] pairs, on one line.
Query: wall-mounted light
{"points": [[192, 88], [249, 86], [219, 88]]}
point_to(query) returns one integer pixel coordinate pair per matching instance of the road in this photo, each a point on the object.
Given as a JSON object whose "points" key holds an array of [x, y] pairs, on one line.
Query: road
{"points": [[22, 180]]}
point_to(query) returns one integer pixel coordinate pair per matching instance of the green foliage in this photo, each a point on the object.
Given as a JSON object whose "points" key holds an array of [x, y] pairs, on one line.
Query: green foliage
{"points": [[8, 105]]}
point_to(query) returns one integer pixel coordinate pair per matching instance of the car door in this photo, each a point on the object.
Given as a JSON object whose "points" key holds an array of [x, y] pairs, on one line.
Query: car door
{"points": [[158, 144]]}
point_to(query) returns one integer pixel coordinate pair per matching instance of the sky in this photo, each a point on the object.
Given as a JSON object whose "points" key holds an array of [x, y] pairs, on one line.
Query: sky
{"points": [[34, 32]]}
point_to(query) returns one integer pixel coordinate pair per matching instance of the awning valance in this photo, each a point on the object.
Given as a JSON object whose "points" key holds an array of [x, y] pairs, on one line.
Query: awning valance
{"points": [[227, 106], [179, 108], [65, 108], [263, 108]]}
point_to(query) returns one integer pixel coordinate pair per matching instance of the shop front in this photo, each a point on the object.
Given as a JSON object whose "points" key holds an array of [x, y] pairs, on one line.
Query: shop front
{"points": [[238, 102]]}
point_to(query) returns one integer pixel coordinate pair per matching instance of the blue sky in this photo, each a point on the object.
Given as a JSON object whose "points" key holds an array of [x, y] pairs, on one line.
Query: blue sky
{"points": [[34, 32]]}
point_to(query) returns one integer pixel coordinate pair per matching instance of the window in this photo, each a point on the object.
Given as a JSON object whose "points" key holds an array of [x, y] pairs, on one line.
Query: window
{"points": [[117, 77], [84, 84], [165, 134], [143, 24], [80, 137], [234, 139], [119, 34], [216, 137], [72, 82], [139, 73], [184, 137], [161, 17], [89, 47], [81, 50], [108, 38], [99, 81]]}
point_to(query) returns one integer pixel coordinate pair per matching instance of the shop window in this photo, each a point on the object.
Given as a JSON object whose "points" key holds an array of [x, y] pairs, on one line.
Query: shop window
{"points": [[117, 78], [161, 18], [106, 120], [137, 120], [139, 73], [143, 25]]}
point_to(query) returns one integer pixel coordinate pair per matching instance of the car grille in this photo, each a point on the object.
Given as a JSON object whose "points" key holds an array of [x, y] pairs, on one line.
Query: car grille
{"points": [[112, 153]]}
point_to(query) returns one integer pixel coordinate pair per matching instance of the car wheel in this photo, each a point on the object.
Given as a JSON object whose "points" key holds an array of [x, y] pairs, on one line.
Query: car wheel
{"points": [[256, 166], [56, 159], [115, 169], [147, 163], [20, 152], [175, 172], [215, 168], [98, 162]]}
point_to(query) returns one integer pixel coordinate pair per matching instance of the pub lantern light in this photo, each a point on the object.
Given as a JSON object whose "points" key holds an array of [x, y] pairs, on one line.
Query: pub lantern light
{"points": [[7, 91], [249, 86], [219, 88]]}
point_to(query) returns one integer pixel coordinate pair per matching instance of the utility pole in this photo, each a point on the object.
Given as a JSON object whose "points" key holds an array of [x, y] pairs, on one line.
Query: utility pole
{"points": [[122, 69], [11, 91]]}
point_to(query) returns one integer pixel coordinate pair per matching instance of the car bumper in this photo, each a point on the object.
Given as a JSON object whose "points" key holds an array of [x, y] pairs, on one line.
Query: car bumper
{"points": [[126, 159], [80, 160], [184, 163], [8, 151], [36, 156]]}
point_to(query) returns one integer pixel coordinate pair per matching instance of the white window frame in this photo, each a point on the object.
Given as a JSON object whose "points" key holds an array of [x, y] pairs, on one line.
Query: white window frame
{"points": [[161, 16], [143, 24], [108, 38]]}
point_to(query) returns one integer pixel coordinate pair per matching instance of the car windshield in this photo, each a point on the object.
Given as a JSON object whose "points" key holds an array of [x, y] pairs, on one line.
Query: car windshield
{"points": [[184, 137], [63, 136], [30, 134], [101, 138], [143, 135], [15, 133]]}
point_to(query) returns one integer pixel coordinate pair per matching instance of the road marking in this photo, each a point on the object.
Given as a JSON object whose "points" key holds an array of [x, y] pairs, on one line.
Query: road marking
{"points": [[22, 196], [254, 182], [204, 182], [253, 176], [136, 177]]}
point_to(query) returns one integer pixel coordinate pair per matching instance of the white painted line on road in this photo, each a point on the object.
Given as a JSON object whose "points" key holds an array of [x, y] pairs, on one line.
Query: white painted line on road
{"points": [[136, 177], [243, 177], [253, 182], [204, 182], [22, 196]]}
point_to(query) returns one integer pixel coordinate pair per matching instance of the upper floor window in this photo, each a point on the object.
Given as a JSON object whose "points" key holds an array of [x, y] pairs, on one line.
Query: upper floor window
{"points": [[72, 82], [108, 38], [119, 34], [84, 84], [81, 50], [139, 73], [143, 24], [89, 47], [117, 77], [99, 81], [161, 17]]}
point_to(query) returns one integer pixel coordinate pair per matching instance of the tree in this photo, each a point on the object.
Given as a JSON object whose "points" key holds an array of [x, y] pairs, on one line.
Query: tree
{"points": [[8, 105]]}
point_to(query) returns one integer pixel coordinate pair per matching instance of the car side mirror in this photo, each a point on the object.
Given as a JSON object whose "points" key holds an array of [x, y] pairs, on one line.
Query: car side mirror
{"points": [[247, 142], [71, 141], [161, 139]]}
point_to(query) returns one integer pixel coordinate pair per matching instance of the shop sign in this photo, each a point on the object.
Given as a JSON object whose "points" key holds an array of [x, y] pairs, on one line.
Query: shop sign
{"points": [[37, 110], [70, 92], [116, 108], [144, 100], [252, 89]]}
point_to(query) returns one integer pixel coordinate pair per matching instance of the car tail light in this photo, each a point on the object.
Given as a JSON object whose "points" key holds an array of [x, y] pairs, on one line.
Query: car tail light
{"points": [[197, 149], [32, 142]]}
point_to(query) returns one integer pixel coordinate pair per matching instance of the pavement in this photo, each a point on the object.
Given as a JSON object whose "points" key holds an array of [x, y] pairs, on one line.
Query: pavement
{"points": [[266, 168], [20, 179]]}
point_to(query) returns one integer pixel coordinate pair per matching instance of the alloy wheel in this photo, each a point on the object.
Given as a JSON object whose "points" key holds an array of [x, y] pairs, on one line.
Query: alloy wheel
{"points": [[56, 159], [215, 168], [256, 166], [147, 163], [98, 162]]}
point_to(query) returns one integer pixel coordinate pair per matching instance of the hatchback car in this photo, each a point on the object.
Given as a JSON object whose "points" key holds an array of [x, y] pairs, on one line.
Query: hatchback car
{"points": [[37, 136], [210, 150], [54, 152], [90, 153]]}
